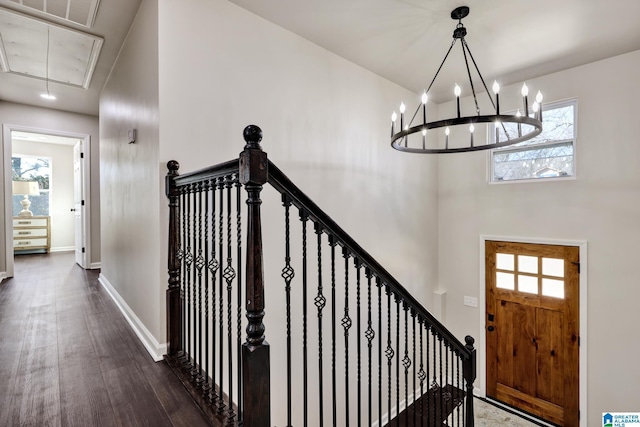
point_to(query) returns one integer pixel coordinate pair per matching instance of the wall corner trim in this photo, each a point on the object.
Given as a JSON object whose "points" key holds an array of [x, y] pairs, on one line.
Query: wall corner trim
{"points": [[155, 349]]}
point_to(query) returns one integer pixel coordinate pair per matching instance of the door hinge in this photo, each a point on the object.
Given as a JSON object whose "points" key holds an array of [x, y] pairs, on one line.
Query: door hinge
{"points": [[82, 203], [82, 155], [82, 250]]}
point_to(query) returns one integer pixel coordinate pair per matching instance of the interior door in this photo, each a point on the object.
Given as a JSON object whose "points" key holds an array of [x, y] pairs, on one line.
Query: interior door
{"points": [[533, 328], [78, 205]]}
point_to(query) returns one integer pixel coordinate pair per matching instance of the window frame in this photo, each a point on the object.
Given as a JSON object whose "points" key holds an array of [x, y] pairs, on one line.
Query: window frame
{"points": [[546, 107], [47, 190]]}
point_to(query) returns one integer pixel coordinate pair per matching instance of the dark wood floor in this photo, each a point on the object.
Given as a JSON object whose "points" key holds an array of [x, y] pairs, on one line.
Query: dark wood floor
{"points": [[69, 358]]}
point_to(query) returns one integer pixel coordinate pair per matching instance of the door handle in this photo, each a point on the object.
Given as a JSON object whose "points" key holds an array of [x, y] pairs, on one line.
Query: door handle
{"points": [[73, 210], [491, 329]]}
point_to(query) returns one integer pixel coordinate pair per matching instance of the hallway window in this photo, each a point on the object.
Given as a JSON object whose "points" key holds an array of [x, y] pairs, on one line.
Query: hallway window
{"points": [[32, 168], [549, 155]]}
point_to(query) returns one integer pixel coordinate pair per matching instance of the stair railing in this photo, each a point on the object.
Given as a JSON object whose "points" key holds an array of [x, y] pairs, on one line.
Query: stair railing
{"points": [[400, 365]]}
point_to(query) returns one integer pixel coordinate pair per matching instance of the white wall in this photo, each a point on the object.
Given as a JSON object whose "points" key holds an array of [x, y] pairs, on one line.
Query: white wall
{"points": [[602, 206], [130, 177], [325, 124], [58, 121], [61, 183]]}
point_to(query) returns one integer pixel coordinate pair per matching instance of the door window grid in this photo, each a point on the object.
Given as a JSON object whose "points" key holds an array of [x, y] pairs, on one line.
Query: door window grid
{"points": [[530, 274]]}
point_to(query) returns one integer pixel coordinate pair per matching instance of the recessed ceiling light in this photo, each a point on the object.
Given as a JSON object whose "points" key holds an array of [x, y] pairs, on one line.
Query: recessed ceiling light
{"points": [[48, 96]]}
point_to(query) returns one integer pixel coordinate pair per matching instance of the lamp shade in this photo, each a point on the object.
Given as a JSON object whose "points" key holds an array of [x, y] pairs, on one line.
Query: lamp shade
{"points": [[30, 188]]}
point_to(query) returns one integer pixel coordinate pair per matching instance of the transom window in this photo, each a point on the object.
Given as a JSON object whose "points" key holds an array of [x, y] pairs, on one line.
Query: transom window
{"points": [[549, 155]]}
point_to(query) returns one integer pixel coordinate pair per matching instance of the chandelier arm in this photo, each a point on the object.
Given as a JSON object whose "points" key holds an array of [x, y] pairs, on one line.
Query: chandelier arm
{"points": [[441, 64], [466, 63], [434, 78], [479, 74], [475, 64]]}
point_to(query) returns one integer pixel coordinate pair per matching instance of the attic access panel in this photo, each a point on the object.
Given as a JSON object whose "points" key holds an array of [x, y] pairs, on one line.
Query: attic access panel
{"points": [[81, 12], [23, 50]]}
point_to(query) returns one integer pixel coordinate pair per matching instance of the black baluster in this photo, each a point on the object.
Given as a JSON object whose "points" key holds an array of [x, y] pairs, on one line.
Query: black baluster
{"points": [[205, 384], [214, 266], [406, 362], [194, 281], [413, 347], [379, 285], [358, 343], [320, 302], [229, 276], [397, 300], [440, 418], [332, 243], [189, 261], [369, 334], [288, 274], [458, 385], [220, 404], [421, 374], [346, 325], [239, 299], [446, 376], [304, 217], [199, 264], [389, 351], [434, 384], [183, 272]]}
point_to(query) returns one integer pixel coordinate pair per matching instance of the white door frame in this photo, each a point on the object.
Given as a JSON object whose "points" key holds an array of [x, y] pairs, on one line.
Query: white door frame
{"points": [[8, 208], [481, 370]]}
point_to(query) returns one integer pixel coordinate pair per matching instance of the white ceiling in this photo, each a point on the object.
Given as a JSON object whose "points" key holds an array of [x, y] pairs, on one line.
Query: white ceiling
{"points": [[402, 40], [512, 40]]}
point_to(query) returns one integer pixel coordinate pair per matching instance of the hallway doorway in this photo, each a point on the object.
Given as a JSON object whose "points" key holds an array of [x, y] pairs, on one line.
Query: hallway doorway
{"points": [[68, 212]]}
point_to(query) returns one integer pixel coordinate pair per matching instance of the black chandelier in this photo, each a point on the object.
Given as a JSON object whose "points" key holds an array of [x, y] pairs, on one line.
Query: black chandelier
{"points": [[509, 128]]}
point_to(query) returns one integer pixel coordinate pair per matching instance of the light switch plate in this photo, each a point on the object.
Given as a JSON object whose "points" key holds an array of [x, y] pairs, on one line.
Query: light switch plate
{"points": [[470, 301]]}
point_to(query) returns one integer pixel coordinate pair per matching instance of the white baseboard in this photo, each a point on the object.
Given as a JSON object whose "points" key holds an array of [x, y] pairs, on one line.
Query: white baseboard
{"points": [[3, 275], [95, 265], [155, 349], [63, 249]]}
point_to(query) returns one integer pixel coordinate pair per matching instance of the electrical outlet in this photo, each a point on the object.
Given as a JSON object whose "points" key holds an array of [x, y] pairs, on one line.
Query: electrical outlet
{"points": [[470, 301]]}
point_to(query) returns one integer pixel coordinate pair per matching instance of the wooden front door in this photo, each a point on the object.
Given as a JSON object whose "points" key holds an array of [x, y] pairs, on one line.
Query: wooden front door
{"points": [[533, 328]]}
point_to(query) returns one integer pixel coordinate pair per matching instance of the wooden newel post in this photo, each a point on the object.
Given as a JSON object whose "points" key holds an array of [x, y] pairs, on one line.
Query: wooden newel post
{"points": [[174, 305], [469, 374], [255, 351]]}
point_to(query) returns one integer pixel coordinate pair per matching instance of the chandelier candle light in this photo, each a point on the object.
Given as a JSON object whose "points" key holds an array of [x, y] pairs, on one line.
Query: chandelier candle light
{"points": [[532, 123]]}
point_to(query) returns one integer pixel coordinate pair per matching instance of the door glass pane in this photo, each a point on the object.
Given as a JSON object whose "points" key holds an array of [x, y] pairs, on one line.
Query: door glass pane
{"points": [[504, 261], [553, 288], [528, 264], [505, 281], [528, 284], [553, 267]]}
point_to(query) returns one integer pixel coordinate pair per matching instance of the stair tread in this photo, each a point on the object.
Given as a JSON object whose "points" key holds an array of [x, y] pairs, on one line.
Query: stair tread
{"points": [[431, 407]]}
